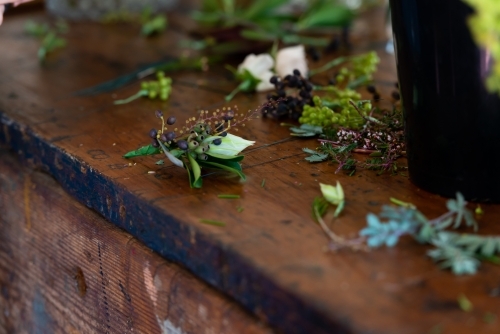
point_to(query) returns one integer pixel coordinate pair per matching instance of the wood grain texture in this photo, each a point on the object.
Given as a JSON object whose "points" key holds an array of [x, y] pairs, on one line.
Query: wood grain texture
{"points": [[269, 257], [64, 269]]}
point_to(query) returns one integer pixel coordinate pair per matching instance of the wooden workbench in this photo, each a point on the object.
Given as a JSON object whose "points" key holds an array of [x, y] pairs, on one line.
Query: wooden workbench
{"points": [[150, 265]]}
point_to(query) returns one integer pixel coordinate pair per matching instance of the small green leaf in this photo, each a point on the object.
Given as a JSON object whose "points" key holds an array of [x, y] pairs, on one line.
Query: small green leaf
{"points": [[145, 150], [228, 196], [212, 222], [329, 15], [217, 157], [226, 167], [261, 7], [464, 303], [195, 167]]}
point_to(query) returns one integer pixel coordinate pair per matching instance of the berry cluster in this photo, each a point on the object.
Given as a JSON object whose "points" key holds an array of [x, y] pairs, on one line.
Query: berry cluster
{"points": [[197, 134], [195, 137], [293, 92], [160, 88], [341, 113]]}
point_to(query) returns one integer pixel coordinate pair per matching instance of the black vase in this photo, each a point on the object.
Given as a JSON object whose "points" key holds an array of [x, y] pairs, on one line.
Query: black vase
{"points": [[452, 122]]}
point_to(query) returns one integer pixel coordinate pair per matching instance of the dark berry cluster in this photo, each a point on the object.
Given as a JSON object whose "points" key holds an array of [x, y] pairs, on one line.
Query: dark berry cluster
{"points": [[291, 94], [195, 139]]}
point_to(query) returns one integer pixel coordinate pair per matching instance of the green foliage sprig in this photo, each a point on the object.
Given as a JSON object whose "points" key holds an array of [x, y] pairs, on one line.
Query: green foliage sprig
{"points": [[460, 252], [48, 36], [160, 88], [381, 138], [153, 24]]}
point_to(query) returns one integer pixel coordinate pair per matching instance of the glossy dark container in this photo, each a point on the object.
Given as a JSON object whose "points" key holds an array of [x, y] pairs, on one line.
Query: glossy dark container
{"points": [[452, 122]]}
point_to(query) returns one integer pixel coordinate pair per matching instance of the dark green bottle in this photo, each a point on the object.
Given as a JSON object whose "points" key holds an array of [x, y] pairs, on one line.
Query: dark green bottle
{"points": [[452, 122]]}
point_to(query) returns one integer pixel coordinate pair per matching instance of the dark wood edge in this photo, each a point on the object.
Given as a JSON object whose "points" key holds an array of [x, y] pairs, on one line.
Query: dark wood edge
{"points": [[221, 267]]}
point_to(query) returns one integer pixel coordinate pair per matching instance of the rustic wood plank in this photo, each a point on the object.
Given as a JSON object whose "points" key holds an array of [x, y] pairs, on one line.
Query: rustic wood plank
{"points": [[64, 269], [269, 257]]}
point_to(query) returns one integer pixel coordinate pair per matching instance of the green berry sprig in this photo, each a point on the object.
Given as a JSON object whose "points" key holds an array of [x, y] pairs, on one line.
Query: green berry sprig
{"points": [[160, 88], [343, 114]]}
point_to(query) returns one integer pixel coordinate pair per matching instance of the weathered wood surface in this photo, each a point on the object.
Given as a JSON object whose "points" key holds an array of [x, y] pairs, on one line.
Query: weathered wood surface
{"points": [[269, 257], [64, 269]]}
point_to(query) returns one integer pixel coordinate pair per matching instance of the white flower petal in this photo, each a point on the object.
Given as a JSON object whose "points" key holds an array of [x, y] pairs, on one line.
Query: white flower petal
{"points": [[334, 195], [264, 83], [291, 58], [231, 145], [257, 65]]}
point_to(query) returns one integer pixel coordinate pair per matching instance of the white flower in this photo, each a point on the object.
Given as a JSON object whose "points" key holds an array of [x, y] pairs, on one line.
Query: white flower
{"points": [[291, 58], [231, 145], [260, 67], [334, 195]]}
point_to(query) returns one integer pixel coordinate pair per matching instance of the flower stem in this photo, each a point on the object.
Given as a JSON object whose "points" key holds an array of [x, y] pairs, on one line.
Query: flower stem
{"points": [[329, 65], [230, 96], [137, 95]]}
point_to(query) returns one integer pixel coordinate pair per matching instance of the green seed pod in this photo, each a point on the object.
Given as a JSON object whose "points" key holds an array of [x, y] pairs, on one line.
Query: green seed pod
{"points": [[200, 138], [202, 156], [192, 144], [199, 128], [152, 94], [145, 85], [202, 149]]}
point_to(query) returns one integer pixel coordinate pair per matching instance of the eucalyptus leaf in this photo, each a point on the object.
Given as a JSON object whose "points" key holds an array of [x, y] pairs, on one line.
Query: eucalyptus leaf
{"points": [[145, 150]]}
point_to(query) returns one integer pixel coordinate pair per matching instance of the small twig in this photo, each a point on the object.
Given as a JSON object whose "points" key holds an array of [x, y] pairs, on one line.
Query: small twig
{"points": [[356, 150], [335, 238], [366, 118]]}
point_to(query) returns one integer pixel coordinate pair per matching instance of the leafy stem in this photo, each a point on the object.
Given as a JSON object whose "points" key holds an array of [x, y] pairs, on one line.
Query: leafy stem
{"points": [[136, 96]]}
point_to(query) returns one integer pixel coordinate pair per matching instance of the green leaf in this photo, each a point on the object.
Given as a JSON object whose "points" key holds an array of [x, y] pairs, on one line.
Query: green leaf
{"points": [[195, 167], [261, 7], [230, 167], [216, 157], [155, 25], [212, 222], [258, 35], [329, 15], [311, 41], [145, 150], [464, 303]]}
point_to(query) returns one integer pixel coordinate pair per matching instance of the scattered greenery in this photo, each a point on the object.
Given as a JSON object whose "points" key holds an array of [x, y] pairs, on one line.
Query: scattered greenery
{"points": [[381, 138], [160, 88], [153, 24], [48, 35], [271, 20], [460, 252]]}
